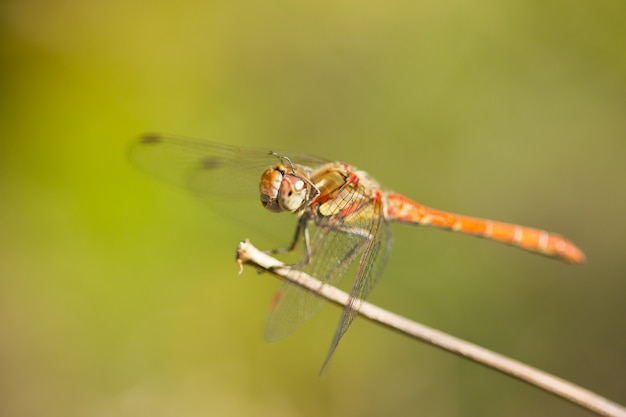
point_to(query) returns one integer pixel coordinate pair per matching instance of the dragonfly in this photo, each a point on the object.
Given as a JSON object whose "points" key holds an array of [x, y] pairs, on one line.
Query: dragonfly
{"points": [[343, 217]]}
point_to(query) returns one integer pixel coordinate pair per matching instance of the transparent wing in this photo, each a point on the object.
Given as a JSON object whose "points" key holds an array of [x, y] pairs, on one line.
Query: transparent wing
{"points": [[358, 243], [208, 168], [371, 265], [225, 177]]}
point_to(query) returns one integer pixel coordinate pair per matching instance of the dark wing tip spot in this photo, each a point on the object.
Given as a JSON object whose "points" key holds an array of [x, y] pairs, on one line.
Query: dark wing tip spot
{"points": [[150, 138]]}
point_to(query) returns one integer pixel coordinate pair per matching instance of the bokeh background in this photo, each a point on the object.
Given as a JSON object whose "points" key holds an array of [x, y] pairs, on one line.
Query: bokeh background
{"points": [[119, 295]]}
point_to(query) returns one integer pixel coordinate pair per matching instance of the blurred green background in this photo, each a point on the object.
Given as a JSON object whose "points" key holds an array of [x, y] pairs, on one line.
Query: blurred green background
{"points": [[119, 295]]}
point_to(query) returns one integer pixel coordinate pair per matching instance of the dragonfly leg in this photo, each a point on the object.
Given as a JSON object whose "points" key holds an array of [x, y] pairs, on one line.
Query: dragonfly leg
{"points": [[345, 261], [354, 251], [301, 228]]}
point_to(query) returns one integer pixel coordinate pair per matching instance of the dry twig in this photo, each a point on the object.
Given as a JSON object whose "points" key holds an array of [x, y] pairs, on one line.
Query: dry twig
{"points": [[248, 254]]}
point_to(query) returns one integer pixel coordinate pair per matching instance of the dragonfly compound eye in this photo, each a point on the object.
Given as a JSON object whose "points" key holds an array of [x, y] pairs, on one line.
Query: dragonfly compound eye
{"points": [[269, 187]]}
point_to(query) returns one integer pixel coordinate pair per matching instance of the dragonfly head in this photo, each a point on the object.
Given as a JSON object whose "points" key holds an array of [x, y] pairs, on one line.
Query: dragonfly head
{"points": [[282, 190]]}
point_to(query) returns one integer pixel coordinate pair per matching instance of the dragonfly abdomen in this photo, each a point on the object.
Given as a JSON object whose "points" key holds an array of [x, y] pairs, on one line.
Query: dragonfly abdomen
{"points": [[401, 209]]}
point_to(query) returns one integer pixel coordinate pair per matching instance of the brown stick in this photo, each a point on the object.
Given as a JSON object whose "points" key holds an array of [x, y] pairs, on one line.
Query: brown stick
{"points": [[248, 254]]}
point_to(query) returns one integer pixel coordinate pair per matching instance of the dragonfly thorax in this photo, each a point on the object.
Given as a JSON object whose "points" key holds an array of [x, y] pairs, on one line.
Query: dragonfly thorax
{"points": [[282, 190]]}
